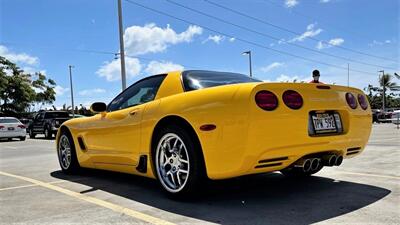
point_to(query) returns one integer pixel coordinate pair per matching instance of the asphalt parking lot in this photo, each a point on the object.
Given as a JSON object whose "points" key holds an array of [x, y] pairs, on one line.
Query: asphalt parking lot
{"points": [[364, 190]]}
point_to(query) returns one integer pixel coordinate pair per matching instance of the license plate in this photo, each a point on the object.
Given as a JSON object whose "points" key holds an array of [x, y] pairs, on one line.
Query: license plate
{"points": [[324, 123], [11, 128]]}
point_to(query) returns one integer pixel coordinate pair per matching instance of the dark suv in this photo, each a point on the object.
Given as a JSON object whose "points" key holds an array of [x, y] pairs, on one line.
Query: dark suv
{"points": [[47, 123]]}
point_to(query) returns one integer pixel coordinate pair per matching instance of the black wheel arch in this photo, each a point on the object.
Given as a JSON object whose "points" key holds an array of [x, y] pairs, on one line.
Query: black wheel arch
{"points": [[180, 122]]}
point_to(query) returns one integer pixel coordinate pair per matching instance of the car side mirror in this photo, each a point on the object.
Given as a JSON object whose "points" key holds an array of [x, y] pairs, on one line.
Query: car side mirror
{"points": [[98, 107]]}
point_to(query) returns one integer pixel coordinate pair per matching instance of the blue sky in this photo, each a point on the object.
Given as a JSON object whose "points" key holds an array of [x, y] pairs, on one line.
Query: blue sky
{"points": [[45, 35]]}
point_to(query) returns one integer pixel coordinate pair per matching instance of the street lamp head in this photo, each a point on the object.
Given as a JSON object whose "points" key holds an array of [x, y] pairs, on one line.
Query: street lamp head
{"points": [[246, 53]]}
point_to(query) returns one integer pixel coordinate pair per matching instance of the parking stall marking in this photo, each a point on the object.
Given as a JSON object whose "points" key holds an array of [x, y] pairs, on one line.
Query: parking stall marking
{"points": [[370, 175], [96, 201], [34, 185]]}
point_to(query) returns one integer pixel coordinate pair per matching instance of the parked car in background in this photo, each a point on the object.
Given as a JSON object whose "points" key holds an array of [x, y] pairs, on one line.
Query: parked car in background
{"points": [[47, 123], [11, 127], [76, 116], [396, 117]]}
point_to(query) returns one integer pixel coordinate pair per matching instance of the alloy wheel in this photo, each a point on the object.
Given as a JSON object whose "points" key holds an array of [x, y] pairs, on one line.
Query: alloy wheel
{"points": [[172, 162]]}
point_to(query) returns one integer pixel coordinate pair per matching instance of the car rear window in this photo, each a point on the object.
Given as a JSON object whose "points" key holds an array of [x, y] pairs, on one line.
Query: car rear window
{"points": [[51, 115], [9, 120], [199, 79]]}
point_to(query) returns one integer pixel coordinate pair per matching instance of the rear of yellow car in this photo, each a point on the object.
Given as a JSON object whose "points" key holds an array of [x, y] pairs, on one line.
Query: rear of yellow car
{"points": [[297, 128]]}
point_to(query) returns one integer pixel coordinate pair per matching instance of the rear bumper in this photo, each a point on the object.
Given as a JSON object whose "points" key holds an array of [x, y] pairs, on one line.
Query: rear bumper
{"points": [[272, 143], [13, 134]]}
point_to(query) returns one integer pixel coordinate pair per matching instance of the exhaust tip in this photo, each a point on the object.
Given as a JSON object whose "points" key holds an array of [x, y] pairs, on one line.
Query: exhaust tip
{"points": [[307, 165], [329, 160], [339, 160], [314, 164]]}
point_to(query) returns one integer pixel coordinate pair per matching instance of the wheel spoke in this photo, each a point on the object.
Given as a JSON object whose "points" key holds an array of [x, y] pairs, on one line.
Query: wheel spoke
{"points": [[184, 171], [178, 178], [183, 161]]}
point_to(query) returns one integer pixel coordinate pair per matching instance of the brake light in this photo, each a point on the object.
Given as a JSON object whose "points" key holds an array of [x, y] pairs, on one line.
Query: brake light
{"points": [[351, 100], [1, 127], [292, 99], [362, 101], [266, 100], [22, 126]]}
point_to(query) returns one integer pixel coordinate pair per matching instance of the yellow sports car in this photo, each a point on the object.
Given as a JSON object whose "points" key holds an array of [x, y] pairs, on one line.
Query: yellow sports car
{"points": [[183, 127]]}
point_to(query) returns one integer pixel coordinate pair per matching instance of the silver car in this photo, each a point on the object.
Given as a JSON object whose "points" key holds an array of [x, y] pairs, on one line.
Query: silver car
{"points": [[11, 127]]}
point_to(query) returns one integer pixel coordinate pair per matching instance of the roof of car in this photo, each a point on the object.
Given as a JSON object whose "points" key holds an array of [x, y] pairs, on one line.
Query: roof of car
{"points": [[5, 117]]}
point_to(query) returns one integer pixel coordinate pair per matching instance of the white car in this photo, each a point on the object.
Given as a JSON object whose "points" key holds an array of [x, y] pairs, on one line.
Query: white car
{"points": [[396, 117], [11, 127]]}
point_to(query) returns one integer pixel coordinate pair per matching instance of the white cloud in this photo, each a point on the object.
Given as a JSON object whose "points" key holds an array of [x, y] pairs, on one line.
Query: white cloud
{"points": [[89, 92], [310, 32], [324, 1], [156, 67], [286, 78], [60, 90], [112, 70], [271, 66], [18, 57], [151, 38], [330, 43], [218, 39], [375, 42], [291, 3]]}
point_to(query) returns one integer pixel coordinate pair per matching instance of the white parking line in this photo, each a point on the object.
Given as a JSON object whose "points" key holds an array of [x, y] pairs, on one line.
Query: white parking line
{"points": [[370, 175], [33, 185], [96, 201]]}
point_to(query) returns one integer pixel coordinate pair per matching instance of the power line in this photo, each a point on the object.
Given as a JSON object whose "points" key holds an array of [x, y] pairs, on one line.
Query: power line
{"points": [[101, 52], [275, 38], [293, 32], [244, 40]]}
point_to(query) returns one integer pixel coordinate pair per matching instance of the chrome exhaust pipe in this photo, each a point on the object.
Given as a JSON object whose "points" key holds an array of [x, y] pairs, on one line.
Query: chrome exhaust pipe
{"points": [[314, 164], [339, 160], [305, 164], [329, 160]]}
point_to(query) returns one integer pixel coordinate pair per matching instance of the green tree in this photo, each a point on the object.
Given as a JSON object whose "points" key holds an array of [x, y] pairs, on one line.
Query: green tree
{"points": [[17, 88]]}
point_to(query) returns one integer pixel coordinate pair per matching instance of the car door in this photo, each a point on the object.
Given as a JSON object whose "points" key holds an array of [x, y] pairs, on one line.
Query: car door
{"points": [[113, 139]]}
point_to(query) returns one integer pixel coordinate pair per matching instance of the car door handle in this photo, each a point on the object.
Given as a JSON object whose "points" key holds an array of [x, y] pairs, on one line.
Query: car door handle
{"points": [[133, 112]]}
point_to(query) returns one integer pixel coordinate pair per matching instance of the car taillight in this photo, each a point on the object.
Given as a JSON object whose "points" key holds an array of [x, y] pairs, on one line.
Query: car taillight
{"points": [[1, 127], [351, 100], [292, 99], [266, 100], [22, 126], [362, 101]]}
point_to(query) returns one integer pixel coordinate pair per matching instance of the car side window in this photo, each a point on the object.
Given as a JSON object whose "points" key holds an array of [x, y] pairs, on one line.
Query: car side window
{"points": [[141, 92]]}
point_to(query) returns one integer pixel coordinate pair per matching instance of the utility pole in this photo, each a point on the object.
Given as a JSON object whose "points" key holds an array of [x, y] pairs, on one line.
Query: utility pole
{"points": [[72, 90], [121, 45], [348, 74], [384, 89], [249, 54]]}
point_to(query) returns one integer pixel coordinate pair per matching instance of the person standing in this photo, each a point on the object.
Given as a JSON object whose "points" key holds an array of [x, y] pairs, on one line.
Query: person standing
{"points": [[315, 75]]}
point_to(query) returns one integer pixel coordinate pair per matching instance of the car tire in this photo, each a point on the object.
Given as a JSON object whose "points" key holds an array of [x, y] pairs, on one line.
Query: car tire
{"points": [[22, 138], [47, 133], [178, 162], [66, 153], [31, 134]]}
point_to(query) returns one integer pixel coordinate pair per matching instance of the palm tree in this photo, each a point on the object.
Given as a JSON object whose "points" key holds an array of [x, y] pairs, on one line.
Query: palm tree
{"points": [[386, 83]]}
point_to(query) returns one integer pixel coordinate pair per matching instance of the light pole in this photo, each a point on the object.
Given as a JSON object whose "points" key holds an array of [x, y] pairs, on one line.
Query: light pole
{"points": [[121, 45], [72, 90], [384, 89], [249, 54]]}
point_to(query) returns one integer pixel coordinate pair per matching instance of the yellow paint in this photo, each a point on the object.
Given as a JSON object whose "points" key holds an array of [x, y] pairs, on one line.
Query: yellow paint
{"points": [[96, 201], [245, 133]]}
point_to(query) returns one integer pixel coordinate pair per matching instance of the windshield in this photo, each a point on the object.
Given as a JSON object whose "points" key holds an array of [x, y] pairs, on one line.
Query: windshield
{"points": [[199, 79], [9, 120], [50, 115]]}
